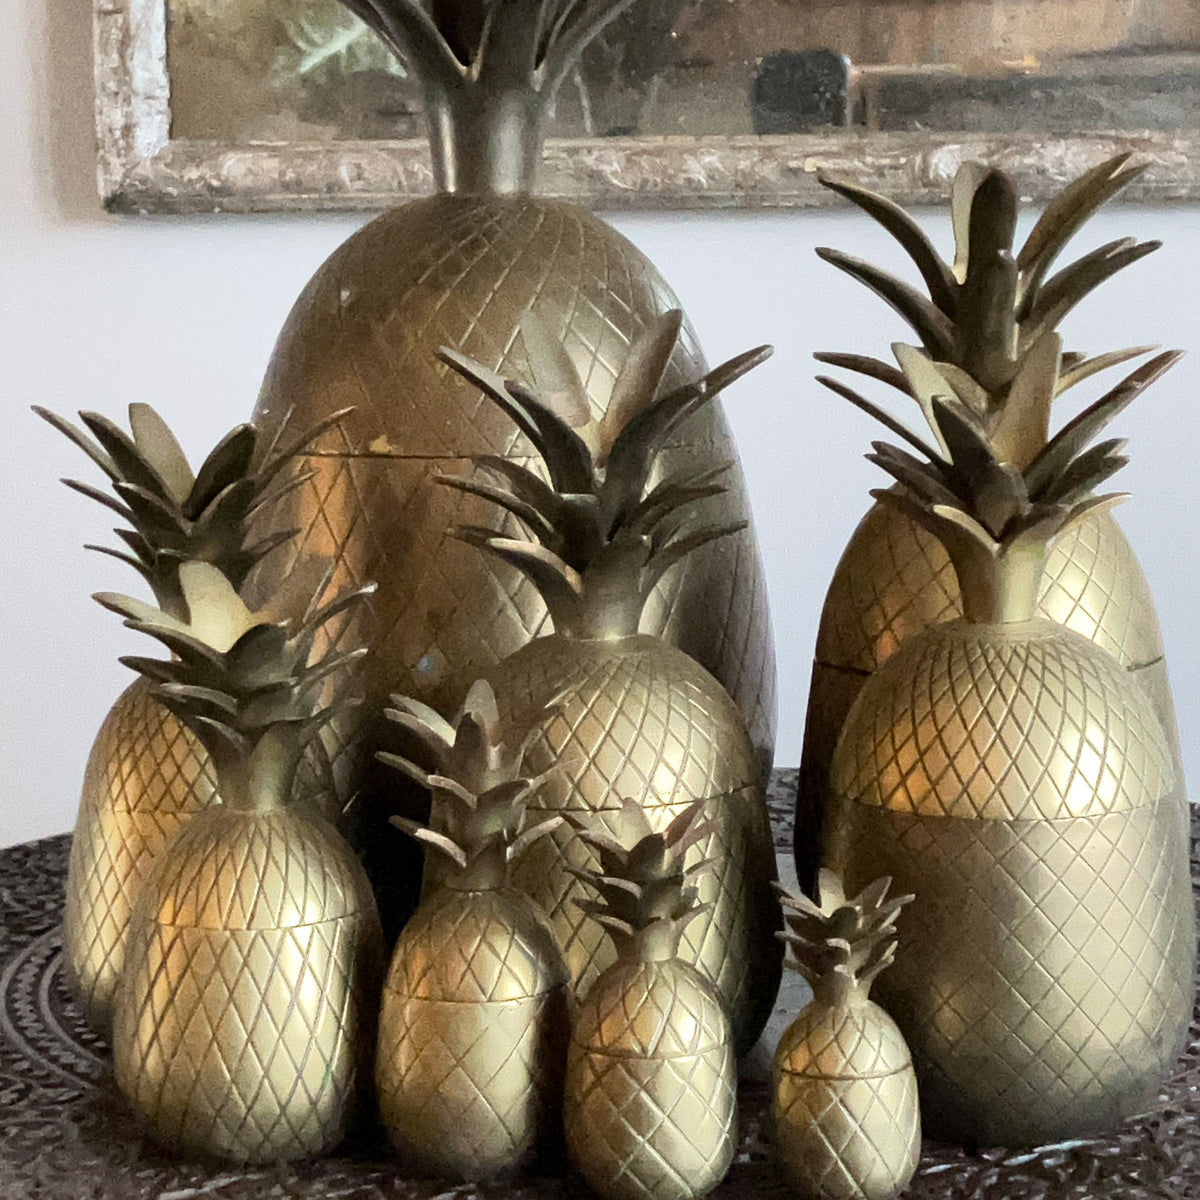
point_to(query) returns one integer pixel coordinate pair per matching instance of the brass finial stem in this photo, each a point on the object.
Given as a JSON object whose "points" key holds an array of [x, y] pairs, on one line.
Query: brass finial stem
{"points": [[1002, 590]]}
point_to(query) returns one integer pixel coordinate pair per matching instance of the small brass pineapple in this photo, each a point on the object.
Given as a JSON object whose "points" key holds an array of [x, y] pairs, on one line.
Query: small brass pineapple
{"points": [[630, 717], [245, 1012], [1015, 776], [650, 1105], [987, 319], [844, 1115], [147, 773], [474, 1021]]}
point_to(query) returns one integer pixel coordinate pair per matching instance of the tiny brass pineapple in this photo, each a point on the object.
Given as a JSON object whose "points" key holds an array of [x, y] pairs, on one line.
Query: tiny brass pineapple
{"points": [[630, 716], [1014, 775], [650, 1106], [147, 773], [987, 320], [844, 1116], [473, 1028], [245, 1012]]}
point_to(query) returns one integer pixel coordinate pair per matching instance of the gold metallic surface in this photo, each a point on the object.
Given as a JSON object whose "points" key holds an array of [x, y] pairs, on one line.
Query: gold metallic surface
{"points": [[461, 272], [845, 1123], [472, 1035], [146, 776], [1015, 780], [640, 720], [245, 1016]]}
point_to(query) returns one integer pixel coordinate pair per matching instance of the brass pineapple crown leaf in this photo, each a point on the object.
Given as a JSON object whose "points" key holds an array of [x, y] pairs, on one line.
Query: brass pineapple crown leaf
{"points": [[645, 893], [987, 309], [489, 45], [236, 679], [601, 536], [177, 515], [477, 771], [838, 943]]}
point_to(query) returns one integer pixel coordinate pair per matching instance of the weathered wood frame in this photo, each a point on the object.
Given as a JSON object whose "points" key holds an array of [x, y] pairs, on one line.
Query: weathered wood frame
{"points": [[143, 169]]}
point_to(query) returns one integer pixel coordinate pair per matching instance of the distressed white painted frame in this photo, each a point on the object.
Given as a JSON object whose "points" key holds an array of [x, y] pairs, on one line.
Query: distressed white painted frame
{"points": [[143, 169]]}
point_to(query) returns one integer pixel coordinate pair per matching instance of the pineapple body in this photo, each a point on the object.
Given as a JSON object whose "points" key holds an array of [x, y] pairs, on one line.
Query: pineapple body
{"points": [[638, 719], [895, 579], [650, 1106], [146, 776], [472, 1034], [845, 1120], [460, 271], [245, 1014], [1017, 780]]}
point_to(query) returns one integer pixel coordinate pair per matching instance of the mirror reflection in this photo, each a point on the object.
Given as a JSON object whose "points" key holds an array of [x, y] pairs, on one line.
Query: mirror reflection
{"points": [[291, 70]]}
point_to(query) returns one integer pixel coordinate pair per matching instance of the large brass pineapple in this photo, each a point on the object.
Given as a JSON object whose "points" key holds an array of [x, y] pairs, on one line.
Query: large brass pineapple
{"points": [[986, 315], [462, 268], [474, 1019], [845, 1123], [632, 717], [1015, 776], [245, 1013], [650, 1106], [147, 773]]}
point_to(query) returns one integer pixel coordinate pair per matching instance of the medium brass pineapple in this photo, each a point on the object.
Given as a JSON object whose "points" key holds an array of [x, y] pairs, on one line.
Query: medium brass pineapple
{"points": [[147, 773], [619, 714], [986, 316], [650, 1106], [462, 268], [845, 1122], [1015, 776], [474, 1020], [244, 1017]]}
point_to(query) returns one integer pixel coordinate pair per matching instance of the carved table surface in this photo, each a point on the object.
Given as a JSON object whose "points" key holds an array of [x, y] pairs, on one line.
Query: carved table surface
{"points": [[66, 1134]]}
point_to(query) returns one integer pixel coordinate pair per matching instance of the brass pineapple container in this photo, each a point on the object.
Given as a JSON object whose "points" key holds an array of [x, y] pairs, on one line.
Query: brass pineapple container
{"points": [[147, 774], [845, 1122], [461, 268], [984, 315], [474, 1018], [1016, 777], [245, 1013], [650, 1105], [613, 714]]}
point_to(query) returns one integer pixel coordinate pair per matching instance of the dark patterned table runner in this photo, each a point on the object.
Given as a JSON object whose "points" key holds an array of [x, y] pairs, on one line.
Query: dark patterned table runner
{"points": [[66, 1134]]}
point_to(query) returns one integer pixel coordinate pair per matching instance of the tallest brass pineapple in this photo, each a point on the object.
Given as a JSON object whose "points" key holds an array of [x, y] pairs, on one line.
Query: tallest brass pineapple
{"points": [[461, 269]]}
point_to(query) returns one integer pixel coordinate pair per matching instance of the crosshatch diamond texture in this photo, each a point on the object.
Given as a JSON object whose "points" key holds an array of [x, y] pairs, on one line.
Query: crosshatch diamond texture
{"points": [[244, 1019], [461, 272], [638, 719], [845, 1098], [650, 1108], [1022, 788], [146, 776], [472, 1035]]}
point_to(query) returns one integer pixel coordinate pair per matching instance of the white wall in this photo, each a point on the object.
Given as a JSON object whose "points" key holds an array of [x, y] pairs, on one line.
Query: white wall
{"points": [[98, 311]]}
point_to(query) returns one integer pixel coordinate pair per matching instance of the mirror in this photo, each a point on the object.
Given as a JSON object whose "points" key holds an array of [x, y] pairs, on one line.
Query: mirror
{"points": [[266, 104]]}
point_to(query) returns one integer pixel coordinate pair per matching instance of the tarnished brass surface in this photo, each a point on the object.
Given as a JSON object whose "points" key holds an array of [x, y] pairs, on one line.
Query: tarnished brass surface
{"points": [[1022, 788], [146, 776], [245, 1018], [641, 720], [461, 272], [844, 1115], [649, 1104], [472, 1035]]}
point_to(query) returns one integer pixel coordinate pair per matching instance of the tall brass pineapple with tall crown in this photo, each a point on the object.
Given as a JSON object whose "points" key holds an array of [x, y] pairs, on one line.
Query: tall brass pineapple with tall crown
{"points": [[987, 321], [461, 268], [147, 774], [845, 1122], [474, 1020], [632, 717], [1014, 775], [244, 1018], [650, 1106]]}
